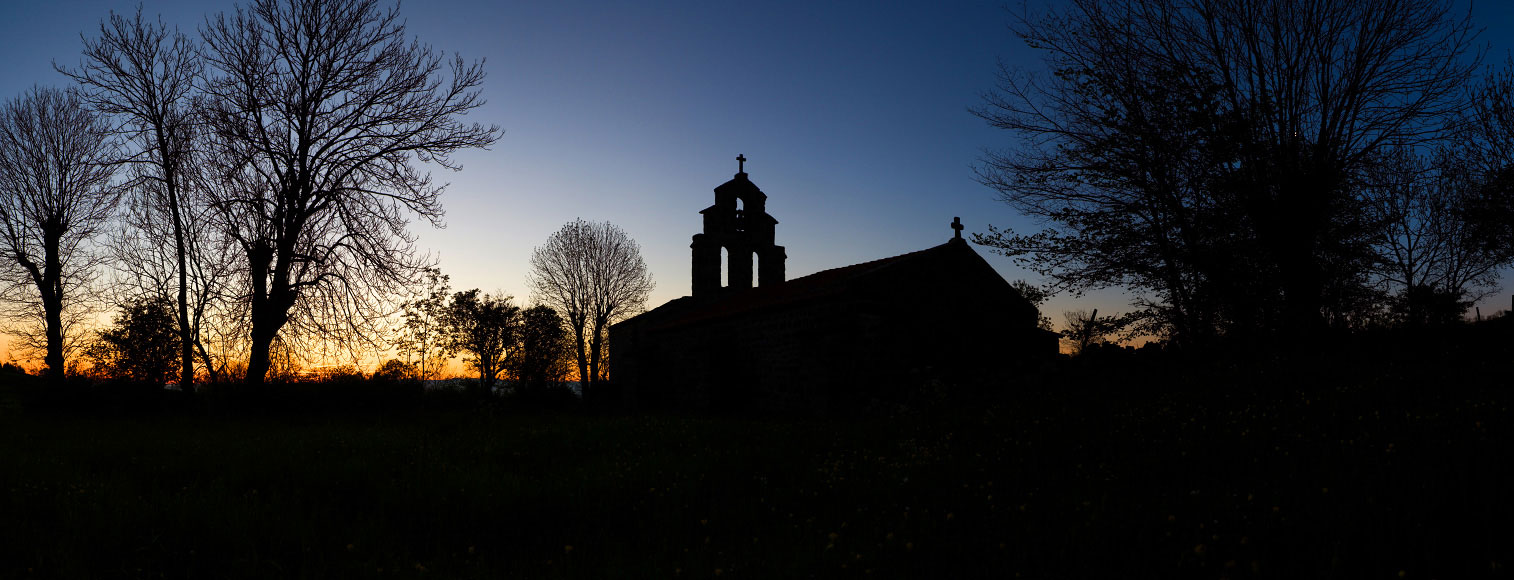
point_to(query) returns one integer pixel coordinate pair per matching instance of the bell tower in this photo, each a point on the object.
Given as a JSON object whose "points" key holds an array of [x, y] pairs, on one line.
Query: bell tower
{"points": [[739, 224]]}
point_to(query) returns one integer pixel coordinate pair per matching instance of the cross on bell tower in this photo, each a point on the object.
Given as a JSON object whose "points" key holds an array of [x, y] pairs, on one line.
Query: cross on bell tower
{"points": [[740, 163], [957, 227]]}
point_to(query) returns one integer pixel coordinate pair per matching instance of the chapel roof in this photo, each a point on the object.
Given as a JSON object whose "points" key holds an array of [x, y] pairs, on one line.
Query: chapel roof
{"points": [[690, 310]]}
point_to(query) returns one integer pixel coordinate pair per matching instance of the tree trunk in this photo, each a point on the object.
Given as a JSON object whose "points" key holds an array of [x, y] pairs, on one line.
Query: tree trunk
{"points": [[186, 337], [52, 308], [1291, 215], [583, 359], [271, 300], [52, 299], [1301, 223], [595, 344], [486, 373], [1302, 290], [268, 317], [186, 329]]}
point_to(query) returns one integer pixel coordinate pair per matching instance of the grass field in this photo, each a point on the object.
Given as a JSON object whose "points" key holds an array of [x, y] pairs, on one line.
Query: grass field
{"points": [[1399, 476]]}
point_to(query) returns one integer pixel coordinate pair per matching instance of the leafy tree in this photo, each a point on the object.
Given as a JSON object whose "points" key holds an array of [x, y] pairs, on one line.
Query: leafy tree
{"points": [[56, 166], [1037, 297], [1425, 305], [319, 112], [141, 346], [543, 358], [592, 273], [394, 370], [1490, 157], [340, 373], [485, 328], [1085, 329], [1206, 155]]}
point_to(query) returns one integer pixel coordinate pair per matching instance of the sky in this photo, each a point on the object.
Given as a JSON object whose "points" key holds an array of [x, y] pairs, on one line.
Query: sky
{"points": [[853, 117]]}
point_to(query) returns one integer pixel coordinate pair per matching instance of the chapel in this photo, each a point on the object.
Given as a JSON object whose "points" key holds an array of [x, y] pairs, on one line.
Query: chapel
{"points": [[833, 342]]}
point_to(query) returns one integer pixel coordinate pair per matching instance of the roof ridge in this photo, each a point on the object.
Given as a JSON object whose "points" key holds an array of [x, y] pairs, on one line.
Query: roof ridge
{"points": [[872, 265]]}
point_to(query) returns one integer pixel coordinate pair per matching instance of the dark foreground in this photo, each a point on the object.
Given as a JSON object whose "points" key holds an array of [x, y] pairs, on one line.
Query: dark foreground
{"points": [[1404, 474]]}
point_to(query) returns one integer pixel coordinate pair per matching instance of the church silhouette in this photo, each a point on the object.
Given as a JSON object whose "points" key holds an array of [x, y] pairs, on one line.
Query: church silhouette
{"points": [[836, 341]]}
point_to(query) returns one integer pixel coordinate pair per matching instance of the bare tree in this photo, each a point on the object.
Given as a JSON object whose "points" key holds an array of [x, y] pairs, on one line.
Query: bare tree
{"points": [[320, 111], [146, 257], [145, 76], [1429, 245], [422, 334], [55, 195], [591, 272]]}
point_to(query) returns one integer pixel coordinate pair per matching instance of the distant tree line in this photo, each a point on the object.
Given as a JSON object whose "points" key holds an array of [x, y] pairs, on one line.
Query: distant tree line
{"points": [[1259, 171], [240, 199], [493, 336]]}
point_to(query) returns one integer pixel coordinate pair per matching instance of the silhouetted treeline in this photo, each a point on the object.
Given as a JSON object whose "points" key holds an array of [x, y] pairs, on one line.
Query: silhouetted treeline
{"points": [[340, 390], [253, 183], [1259, 172], [242, 196], [494, 337]]}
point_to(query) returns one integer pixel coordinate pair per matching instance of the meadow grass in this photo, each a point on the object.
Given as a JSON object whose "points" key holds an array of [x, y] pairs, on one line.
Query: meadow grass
{"points": [[1387, 476]]}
